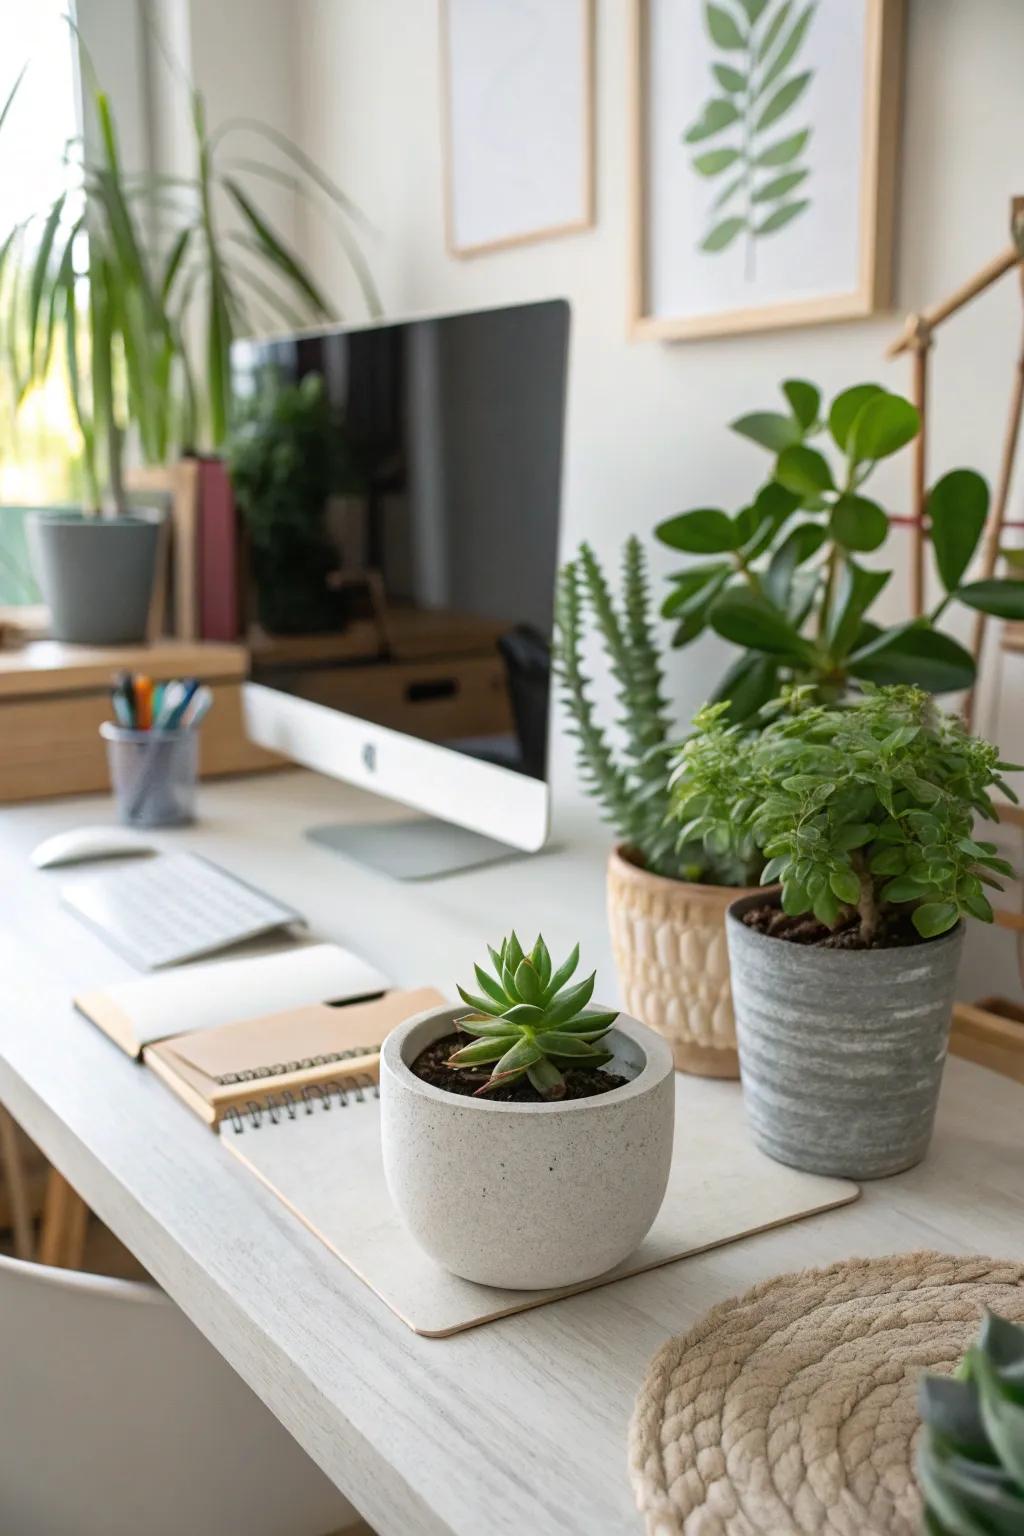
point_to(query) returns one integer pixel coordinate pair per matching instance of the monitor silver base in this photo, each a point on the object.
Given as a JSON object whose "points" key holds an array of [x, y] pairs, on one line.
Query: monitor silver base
{"points": [[418, 848]]}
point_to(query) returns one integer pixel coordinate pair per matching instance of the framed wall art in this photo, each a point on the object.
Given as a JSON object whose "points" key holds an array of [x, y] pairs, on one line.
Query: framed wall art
{"points": [[765, 154], [517, 103]]}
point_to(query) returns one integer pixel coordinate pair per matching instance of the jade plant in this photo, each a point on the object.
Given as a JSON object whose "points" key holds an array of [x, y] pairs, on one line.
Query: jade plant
{"points": [[529, 1022], [970, 1458], [783, 578], [864, 811], [630, 783]]}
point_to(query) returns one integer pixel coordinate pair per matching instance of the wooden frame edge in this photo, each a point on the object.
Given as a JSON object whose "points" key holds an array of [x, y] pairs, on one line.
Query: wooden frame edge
{"points": [[883, 71], [588, 11]]}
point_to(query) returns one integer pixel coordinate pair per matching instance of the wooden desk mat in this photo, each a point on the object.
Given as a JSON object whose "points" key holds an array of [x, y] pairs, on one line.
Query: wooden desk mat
{"points": [[326, 1168]]}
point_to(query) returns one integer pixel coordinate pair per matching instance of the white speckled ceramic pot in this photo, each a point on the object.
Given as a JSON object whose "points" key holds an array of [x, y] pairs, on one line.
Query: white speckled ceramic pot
{"points": [[527, 1196]]}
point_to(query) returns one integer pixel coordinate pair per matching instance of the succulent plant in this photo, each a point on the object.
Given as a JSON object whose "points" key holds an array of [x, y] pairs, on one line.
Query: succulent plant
{"points": [[970, 1460], [528, 1022]]}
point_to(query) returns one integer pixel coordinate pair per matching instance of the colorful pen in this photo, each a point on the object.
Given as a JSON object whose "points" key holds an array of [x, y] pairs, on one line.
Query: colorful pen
{"points": [[143, 701]]}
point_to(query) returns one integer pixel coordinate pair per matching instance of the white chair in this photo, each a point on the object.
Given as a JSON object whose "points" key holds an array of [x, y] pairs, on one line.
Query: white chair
{"points": [[118, 1418]]}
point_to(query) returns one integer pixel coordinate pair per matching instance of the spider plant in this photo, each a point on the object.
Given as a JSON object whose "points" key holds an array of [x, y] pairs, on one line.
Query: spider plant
{"points": [[149, 278], [246, 273]]}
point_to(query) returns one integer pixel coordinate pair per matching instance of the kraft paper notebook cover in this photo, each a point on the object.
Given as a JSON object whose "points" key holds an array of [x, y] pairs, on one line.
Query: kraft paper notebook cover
{"points": [[257, 1062], [326, 1167], [212, 993]]}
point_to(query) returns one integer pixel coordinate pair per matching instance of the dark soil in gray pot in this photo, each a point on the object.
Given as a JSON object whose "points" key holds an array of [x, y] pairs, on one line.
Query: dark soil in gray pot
{"points": [[95, 573], [841, 1050]]}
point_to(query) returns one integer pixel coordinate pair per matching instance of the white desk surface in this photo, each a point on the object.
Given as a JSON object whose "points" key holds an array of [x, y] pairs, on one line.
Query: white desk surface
{"points": [[518, 1427]]}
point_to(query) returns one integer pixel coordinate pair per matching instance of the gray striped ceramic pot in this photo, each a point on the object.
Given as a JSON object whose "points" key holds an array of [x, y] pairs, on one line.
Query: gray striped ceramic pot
{"points": [[841, 1050]]}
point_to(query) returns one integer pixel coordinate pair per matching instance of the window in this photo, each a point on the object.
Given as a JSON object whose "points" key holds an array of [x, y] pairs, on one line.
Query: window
{"points": [[39, 441]]}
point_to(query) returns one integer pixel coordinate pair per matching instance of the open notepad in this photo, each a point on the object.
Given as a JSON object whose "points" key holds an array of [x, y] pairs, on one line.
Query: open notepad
{"points": [[206, 996], [325, 1165]]}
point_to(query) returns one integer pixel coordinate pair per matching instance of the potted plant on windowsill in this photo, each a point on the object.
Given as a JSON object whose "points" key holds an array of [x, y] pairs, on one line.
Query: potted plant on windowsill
{"points": [[666, 901], [527, 1143], [843, 979], [134, 283]]}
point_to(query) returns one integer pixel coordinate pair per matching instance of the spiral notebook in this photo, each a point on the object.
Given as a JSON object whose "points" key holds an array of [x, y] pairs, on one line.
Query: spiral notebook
{"points": [[268, 1060], [320, 1155]]}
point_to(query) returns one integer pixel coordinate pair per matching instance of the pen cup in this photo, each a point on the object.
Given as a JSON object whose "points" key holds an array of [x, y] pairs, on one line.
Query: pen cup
{"points": [[153, 774]]}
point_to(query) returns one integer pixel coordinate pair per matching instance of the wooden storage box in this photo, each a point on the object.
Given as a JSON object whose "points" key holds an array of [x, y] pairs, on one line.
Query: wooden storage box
{"points": [[53, 698]]}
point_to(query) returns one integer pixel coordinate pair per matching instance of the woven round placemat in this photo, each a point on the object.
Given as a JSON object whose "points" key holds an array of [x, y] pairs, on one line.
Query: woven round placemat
{"points": [[792, 1409]]}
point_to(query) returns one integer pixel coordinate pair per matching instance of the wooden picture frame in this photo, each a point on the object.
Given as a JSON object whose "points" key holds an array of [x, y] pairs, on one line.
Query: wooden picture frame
{"points": [[870, 254], [469, 236]]}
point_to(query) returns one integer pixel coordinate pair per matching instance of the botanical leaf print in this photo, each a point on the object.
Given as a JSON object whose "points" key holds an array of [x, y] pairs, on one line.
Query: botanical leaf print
{"points": [[766, 188]]}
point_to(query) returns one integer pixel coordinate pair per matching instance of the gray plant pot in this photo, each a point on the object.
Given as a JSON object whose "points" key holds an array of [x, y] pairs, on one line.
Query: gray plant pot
{"points": [[95, 573], [841, 1051]]}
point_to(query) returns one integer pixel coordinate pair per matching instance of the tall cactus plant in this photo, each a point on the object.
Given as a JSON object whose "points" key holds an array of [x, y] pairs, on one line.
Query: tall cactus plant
{"points": [[629, 778]]}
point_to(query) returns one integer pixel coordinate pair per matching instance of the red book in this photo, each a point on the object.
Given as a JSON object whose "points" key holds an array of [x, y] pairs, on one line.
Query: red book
{"points": [[217, 562]]}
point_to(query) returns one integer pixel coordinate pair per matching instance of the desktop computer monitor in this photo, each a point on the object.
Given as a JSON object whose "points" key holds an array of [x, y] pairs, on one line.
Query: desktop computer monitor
{"points": [[431, 580]]}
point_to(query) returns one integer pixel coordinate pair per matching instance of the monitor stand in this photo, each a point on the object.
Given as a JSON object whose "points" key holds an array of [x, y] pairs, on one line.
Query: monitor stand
{"points": [[417, 848]]}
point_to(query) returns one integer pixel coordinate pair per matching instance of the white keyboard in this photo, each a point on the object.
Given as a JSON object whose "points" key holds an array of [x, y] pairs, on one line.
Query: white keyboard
{"points": [[172, 908]]}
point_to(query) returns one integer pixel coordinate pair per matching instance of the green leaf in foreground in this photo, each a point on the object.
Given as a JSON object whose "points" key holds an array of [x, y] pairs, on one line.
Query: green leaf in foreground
{"points": [[912, 653], [884, 424], [704, 532], [858, 523], [1002, 599], [957, 509], [769, 429], [754, 622], [803, 470], [846, 408]]}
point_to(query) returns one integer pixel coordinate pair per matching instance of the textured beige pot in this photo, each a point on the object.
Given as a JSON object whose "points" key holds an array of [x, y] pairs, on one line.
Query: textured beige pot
{"points": [[668, 938]]}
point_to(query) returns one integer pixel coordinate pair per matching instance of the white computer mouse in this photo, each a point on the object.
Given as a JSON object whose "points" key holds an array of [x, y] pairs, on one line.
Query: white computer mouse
{"points": [[84, 844]]}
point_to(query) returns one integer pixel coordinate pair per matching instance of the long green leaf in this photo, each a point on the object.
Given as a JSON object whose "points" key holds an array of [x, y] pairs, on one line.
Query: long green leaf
{"points": [[175, 257], [11, 94], [277, 305], [41, 275], [276, 253], [334, 193], [1003, 599], [330, 209]]}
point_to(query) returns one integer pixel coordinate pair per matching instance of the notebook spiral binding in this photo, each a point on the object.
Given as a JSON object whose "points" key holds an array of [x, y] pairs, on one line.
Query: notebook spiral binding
{"points": [[360, 1089], [280, 1068]]}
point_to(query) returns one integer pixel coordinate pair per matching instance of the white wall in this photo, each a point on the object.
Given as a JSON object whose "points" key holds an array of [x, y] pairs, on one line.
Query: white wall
{"points": [[647, 422]]}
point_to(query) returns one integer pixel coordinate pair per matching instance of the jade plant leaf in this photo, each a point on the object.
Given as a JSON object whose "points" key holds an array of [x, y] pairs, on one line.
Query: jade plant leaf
{"points": [[957, 509], [1002, 599]]}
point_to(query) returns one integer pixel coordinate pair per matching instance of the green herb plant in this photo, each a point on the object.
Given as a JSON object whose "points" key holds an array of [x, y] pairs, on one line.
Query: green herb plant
{"points": [[863, 810], [529, 1022], [970, 1458], [784, 580], [630, 781], [759, 165]]}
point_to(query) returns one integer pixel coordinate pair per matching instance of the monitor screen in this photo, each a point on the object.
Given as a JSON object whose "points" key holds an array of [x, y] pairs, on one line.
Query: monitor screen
{"points": [[400, 487]]}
